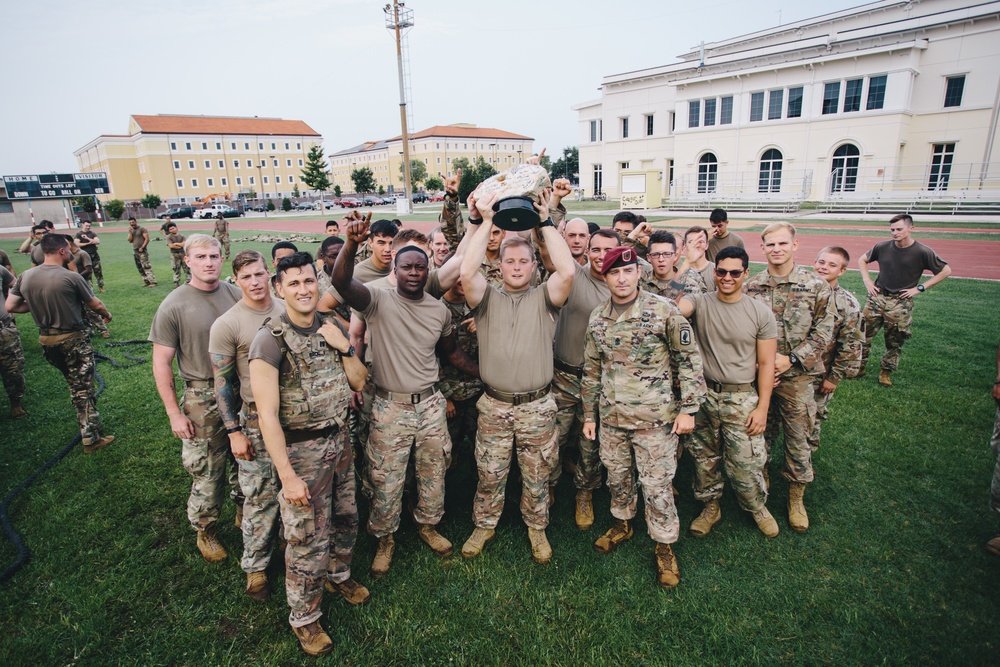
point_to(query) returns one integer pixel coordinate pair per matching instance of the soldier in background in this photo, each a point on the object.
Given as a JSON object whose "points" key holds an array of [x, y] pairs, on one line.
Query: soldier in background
{"points": [[221, 233], [721, 236], [440, 247], [842, 360], [138, 236], [662, 276], [11, 352], [5, 263], [88, 240], [461, 392], [279, 251], [993, 546], [695, 247], [175, 242], [35, 250], [81, 263]]}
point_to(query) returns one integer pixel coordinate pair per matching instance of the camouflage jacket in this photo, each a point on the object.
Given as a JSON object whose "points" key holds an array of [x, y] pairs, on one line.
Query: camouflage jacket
{"points": [[455, 384], [842, 359], [627, 375], [636, 244], [364, 252], [689, 283], [800, 302], [451, 221]]}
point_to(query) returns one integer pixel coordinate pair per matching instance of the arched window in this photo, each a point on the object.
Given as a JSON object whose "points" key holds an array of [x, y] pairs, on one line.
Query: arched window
{"points": [[708, 172], [770, 171], [844, 169]]}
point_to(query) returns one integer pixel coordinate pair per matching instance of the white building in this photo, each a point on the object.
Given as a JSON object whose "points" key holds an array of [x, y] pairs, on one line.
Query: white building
{"points": [[889, 101]]}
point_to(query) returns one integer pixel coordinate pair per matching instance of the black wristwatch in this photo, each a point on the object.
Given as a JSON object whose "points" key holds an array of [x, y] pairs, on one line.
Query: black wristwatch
{"points": [[349, 353], [793, 359], [546, 223], [920, 288], [238, 429]]}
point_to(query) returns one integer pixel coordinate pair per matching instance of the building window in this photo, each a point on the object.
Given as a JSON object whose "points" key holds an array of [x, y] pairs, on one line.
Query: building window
{"points": [[239, 180], [277, 180], [710, 112], [941, 159], [756, 107], [190, 164], [286, 145], [177, 164], [831, 97], [624, 128], [694, 113], [876, 92], [775, 100], [439, 160], [726, 110], [953, 93], [708, 172], [298, 147], [218, 145], [852, 95], [236, 164], [274, 163], [265, 180], [260, 145], [598, 179], [204, 145], [794, 103], [844, 169], [623, 166], [225, 182], [249, 164], [210, 182], [300, 162], [173, 145], [649, 125], [291, 179], [288, 162], [246, 145], [232, 146], [770, 172], [593, 131], [208, 164], [222, 164], [187, 145], [252, 180], [180, 183], [272, 145], [194, 182]]}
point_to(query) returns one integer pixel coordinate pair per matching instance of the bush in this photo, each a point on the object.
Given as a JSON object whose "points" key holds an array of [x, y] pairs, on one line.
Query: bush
{"points": [[270, 204], [115, 209], [286, 204]]}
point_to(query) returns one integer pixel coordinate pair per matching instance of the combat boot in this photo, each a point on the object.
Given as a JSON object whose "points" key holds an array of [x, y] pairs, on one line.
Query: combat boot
{"points": [[883, 379], [103, 442], [710, 516], [619, 533], [668, 575], [313, 639], [477, 541], [209, 546], [383, 557], [17, 411], [257, 586], [239, 516], [766, 522], [993, 546], [540, 549], [353, 592], [797, 517], [584, 509], [439, 545]]}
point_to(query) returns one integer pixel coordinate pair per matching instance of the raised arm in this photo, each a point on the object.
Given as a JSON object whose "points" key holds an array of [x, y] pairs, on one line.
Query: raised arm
{"points": [[560, 282], [357, 374], [473, 282], [356, 294], [452, 225]]}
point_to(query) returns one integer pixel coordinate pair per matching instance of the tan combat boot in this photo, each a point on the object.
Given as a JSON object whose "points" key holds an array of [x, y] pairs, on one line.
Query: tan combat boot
{"points": [[209, 546], [766, 522], [993, 546], [313, 639], [383, 557], [619, 533], [257, 587], [477, 541], [797, 516], [540, 549], [439, 545], [16, 411], [883, 379], [239, 517], [103, 442], [584, 509], [353, 592], [668, 575], [710, 516]]}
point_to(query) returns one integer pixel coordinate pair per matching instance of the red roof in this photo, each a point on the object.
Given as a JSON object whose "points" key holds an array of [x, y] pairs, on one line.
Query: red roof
{"points": [[222, 125], [464, 132]]}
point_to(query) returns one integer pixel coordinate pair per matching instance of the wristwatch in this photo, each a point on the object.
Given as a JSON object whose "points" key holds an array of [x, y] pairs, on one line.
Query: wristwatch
{"points": [[920, 288], [546, 223], [238, 429], [793, 359], [349, 353]]}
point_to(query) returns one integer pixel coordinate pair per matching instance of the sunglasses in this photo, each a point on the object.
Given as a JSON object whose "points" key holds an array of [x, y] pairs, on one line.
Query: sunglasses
{"points": [[657, 255], [734, 273]]}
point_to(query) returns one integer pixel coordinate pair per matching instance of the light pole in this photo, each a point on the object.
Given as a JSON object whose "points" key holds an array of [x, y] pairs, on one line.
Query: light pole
{"points": [[272, 178], [493, 150], [260, 178], [398, 18]]}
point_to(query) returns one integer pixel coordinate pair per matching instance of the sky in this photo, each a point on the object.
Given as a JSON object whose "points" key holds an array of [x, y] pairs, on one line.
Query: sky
{"points": [[76, 70]]}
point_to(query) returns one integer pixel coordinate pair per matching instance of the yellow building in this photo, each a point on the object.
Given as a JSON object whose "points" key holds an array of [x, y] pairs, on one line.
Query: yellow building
{"points": [[437, 147], [187, 159]]}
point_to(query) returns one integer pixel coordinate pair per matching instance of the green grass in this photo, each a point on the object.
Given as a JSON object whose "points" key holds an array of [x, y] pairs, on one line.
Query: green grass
{"points": [[892, 570]]}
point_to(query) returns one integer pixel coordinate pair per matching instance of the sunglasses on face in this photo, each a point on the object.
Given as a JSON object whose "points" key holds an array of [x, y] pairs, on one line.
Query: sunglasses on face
{"points": [[735, 273]]}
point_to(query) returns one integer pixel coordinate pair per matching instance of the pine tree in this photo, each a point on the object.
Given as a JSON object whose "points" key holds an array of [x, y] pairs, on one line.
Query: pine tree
{"points": [[314, 174]]}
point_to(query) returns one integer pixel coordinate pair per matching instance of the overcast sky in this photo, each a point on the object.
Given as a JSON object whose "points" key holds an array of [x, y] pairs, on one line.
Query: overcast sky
{"points": [[75, 70]]}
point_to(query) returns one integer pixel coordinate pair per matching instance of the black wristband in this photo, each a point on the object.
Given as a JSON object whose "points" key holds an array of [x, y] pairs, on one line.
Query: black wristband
{"points": [[349, 353], [475, 221], [546, 223], [238, 429]]}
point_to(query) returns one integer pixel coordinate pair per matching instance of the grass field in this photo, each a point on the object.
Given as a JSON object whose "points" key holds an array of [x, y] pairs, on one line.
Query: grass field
{"points": [[892, 570]]}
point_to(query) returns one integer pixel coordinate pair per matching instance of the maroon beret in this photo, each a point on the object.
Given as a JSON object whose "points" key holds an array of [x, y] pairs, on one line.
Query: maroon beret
{"points": [[618, 256]]}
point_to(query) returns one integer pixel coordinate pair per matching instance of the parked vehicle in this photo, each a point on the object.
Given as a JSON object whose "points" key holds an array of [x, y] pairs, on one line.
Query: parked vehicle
{"points": [[331, 203], [215, 209], [371, 201], [260, 208], [305, 206], [419, 197], [350, 202], [389, 199], [437, 196], [177, 212]]}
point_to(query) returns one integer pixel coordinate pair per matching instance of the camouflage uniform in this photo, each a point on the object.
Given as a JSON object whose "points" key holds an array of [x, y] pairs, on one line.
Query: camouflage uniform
{"points": [[141, 258], [569, 418], [895, 313], [690, 283], [452, 224], [221, 232], [95, 258], [73, 355], [95, 322], [800, 303], [462, 390], [627, 387], [11, 359], [364, 252], [180, 269], [260, 484], [843, 358]]}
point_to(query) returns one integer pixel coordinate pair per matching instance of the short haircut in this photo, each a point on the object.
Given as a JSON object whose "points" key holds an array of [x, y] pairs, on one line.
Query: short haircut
{"points": [[662, 236], [53, 243], [48, 224], [131, 219], [733, 252], [696, 229], [837, 250], [593, 227], [407, 249], [38, 228], [902, 217], [625, 216], [201, 241], [293, 261], [777, 226], [245, 258], [407, 237], [382, 228], [718, 215], [608, 234], [282, 245], [329, 242], [640, 218], [434, 232], [168, 225], [516, 242], [333, 222]]}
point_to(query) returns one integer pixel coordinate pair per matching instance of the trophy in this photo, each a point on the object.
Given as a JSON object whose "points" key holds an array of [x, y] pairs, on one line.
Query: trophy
{"points": [[517, 190]]}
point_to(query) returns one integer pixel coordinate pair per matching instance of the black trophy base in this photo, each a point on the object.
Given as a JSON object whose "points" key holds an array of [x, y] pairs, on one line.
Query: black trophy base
{"points": [[515, 214]]}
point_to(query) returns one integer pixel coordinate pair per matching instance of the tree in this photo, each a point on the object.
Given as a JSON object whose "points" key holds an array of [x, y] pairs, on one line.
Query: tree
{"points": [[568, 166], [286, 204], [270, 204], [363, 179], [87, 204], [418, 172], [115, 209], [472, 175], [336, 190], [151, 202], [434, 183], [295, 191], [251, 194], [381, 190], [314, 173]]}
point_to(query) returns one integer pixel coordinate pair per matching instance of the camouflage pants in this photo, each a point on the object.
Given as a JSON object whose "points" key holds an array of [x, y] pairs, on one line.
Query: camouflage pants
{"points": [[460, 426], [896, 315], [141, 258], [11, 362], [569, 422], [720, 436], [260, 485], [995, 445], [98, 270], [530, 430], [653, 453], [360, 426], [95, 321], [822, 409], [224, 240], [180, 269], [322, 534], [205, 457], [75, 359], [794, 410], [396, 429]]}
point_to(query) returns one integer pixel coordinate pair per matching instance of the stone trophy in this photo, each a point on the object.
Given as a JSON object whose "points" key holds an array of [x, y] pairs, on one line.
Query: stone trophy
{"points": [[517, 190]]}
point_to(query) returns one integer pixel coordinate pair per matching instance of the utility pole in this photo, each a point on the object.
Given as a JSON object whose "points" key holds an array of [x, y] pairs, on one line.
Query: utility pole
{"points": [[397, 18]]}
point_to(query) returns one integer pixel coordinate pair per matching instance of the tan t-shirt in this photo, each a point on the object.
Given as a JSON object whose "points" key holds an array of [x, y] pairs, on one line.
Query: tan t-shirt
{"points": [[176, 238], [183, 321], [404, 335], [366, 271], [515, 338], [727, 334], [55, 296], [717, 244], [586, 294], [233, 332], [37, 256], [137, 238], [84, 264]]}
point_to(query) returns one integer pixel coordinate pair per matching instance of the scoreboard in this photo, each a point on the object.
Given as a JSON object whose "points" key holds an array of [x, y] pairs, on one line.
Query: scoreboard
{"points": [[42, 186]]}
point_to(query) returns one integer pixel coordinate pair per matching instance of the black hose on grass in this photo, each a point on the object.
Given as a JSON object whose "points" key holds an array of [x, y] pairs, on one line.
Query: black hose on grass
{"points": [[23, 555]]}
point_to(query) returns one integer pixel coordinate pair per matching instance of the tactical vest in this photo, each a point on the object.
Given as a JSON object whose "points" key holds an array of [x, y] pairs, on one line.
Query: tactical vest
{"points": [[314, 392]]}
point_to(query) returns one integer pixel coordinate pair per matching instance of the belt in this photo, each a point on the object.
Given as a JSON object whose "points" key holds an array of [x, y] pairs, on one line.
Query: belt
{"points": [[45, 331], [719, 387], [413, 399], [200, 384], [567, 368], [295, 437], [517, 398]]}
